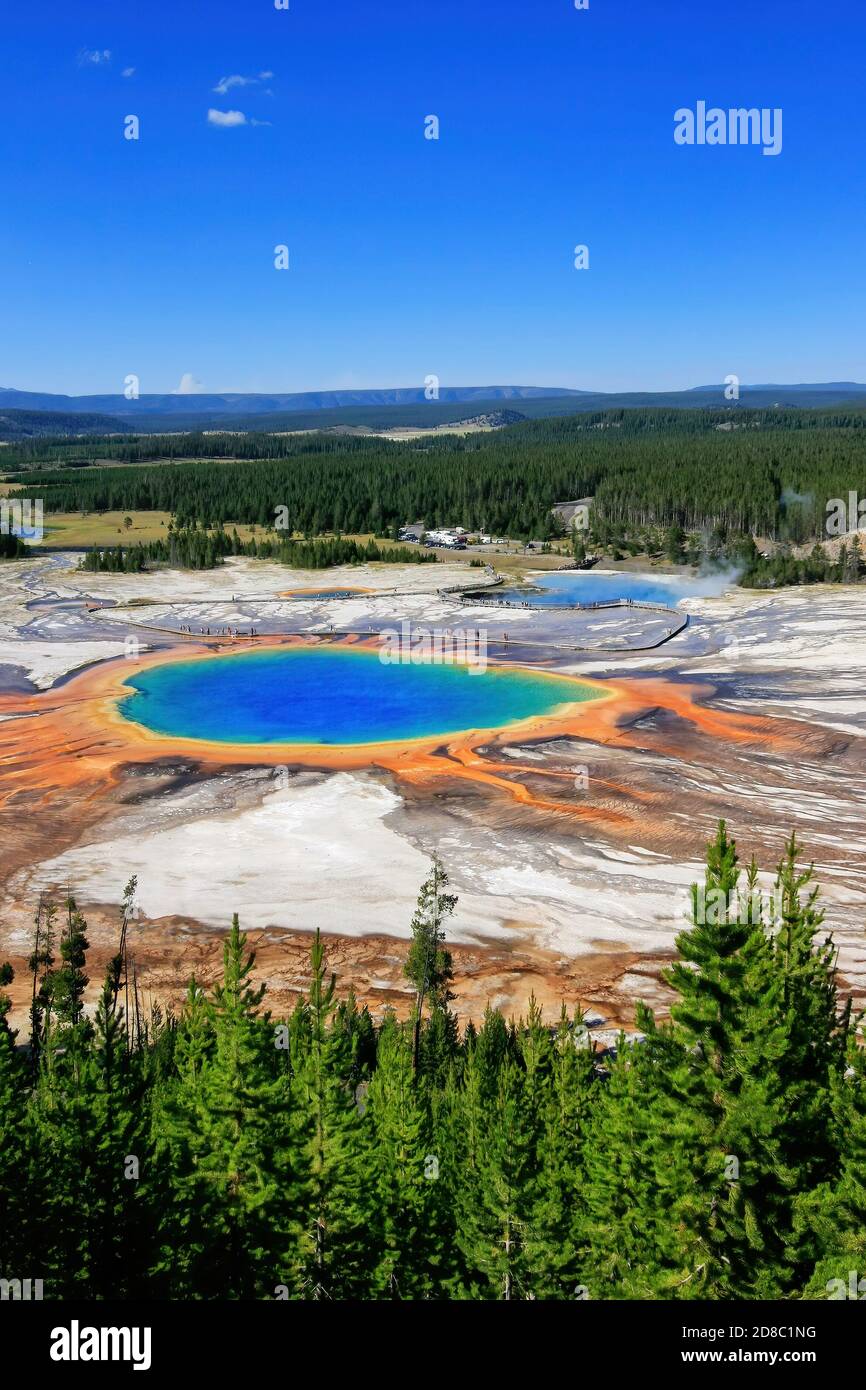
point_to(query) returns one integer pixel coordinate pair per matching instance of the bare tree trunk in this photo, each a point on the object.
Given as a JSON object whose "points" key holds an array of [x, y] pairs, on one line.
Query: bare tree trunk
{"points": [[135, 1004], [416, 1032], [34, 1041]]}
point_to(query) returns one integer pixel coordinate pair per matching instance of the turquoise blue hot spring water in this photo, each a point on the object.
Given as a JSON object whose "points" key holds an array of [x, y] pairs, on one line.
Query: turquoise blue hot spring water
{"points": [[563, 588], [329, 695]]}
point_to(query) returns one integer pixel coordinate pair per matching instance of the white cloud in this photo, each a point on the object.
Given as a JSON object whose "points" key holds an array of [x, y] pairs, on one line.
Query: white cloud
{"points": [[225, 118], [187, 386], [127, 72], [235, 79], [227, 84], [94, 55]]}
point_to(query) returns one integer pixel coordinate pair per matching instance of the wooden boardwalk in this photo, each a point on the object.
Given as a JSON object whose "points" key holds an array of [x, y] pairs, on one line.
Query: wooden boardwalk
{"points": [[505, 641]]}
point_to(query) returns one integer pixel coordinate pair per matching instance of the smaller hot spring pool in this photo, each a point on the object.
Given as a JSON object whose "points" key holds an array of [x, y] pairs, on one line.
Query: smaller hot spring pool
{"points": [[564, 588]]}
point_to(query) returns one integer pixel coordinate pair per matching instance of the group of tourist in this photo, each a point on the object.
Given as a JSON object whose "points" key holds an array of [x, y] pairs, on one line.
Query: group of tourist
{"points": [[219, 631]]}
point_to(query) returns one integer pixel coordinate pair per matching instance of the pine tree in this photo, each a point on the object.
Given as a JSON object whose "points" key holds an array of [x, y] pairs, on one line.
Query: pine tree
{"points": [[735, 1116], [227, 1141], [560, 1207], [708, 977], [452, 1158], [493, 1046], [640, 1161], [439, 1047], [405, 1171], [830, 1218], [59, 1123], [360, 1032], [118, 968], [331, 1137], [111, 1110], [428, 964], [702, 1093], [14, 1250], [70, 981], [796, 1048], [495, 1232], [41, 965], [182, 1232]]}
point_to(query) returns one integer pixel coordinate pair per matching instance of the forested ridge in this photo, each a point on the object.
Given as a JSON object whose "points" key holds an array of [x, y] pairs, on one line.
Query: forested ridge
{"points": [[224, 1154], [24, 425], [768, 473], [197, 549]]}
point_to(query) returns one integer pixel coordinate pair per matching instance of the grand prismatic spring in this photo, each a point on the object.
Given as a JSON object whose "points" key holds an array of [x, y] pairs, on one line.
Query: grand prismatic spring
{"points": [[336, 696]]}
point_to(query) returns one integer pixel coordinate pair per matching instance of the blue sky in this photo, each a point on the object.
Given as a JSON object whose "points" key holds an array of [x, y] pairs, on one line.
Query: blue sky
{"points": [[411, 257]]}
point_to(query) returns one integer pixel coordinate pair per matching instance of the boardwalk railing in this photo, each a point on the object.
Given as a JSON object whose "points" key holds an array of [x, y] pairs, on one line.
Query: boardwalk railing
{"points": [[466, 597]]}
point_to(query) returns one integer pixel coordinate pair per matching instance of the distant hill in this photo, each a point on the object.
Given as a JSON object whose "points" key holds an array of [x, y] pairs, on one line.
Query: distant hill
{"points": [[404, 407], [35, 424], [238, 403], [835, 388]]}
